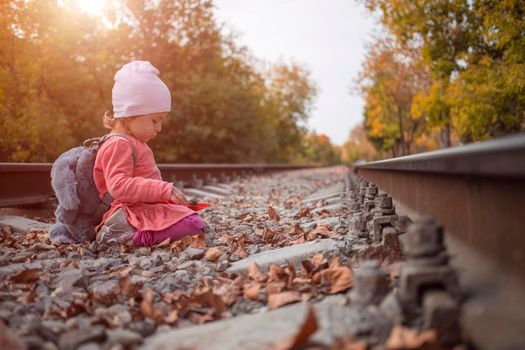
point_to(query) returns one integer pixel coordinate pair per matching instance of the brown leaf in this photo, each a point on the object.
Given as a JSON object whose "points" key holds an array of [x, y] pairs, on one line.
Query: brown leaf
{"points": [[198, 241], [226, 238], [283, 298], [210, 299], [302, 213], [306, 268], [319, 261], [148, 310], [172, 317], [29, 297], [181, 244], [213, 254], [228, 291], [335, 263], [297, 230], [240, 244], [338, 277], [26, 276], [7, 230], [321, 230], [300, 240], [268, 235], [307, 328], [402, 338], [128, 288], [291, 274], [275, 287], [164, 243], [247, 218], [254, 272], [272, 213], [276, 273], [251, 291]]}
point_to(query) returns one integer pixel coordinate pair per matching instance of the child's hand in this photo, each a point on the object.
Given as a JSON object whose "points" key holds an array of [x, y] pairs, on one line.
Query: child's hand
{"points": [[178, 196]]}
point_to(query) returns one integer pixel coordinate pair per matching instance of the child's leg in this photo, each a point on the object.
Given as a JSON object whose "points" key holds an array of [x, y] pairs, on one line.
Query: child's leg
{"points": [[189, 226]]}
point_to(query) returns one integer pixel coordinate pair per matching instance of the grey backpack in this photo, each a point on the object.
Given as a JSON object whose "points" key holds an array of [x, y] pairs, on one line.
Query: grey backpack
{"points": [[79, 208]]}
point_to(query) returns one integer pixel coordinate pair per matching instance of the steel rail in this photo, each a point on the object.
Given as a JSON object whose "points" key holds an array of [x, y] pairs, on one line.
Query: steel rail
{"points": [[476, 191], [30, 183]]}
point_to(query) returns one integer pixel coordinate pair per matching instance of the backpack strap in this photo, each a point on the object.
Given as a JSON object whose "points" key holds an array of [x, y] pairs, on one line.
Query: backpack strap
{"points": [[94, 144]]}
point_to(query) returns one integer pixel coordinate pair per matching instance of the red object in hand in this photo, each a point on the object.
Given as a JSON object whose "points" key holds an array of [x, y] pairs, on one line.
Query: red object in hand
{"points": [[196, 206]]}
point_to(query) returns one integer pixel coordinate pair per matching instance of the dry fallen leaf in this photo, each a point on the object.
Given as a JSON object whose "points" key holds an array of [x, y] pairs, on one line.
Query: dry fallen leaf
{"points": [[319, 261], [198, 241], [7, 230], [164, 243], [128, 288], [308, 327], [402, 338], [339, 278], [303, 212], [251, 291], [254, 272], [148, 310], [321, 230], [227, 290], [276, 273], [272, 213], [210, 299], [213, 254], [172, 317], [26, 276], [29, 297], [297, 230], [283, 298], [275, 287]]}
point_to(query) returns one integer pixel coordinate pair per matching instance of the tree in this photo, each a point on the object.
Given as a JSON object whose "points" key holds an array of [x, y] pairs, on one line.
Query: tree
{"points": [[57, 66], [318, 149], [358, 147], [443, 31], [390, 79], [474, 52]]}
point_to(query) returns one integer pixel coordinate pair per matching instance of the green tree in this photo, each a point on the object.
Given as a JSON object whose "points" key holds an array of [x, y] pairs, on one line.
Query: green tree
{"points": [[358, 147], [474, 51], [391, 78], [57, 66]]}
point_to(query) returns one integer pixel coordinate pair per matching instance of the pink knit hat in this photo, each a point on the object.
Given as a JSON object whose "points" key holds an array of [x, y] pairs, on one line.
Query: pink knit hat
{"points": [[138, 90]]}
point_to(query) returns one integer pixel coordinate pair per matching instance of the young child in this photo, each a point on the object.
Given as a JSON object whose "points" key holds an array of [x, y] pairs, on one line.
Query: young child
{"points": [[146, 210]]}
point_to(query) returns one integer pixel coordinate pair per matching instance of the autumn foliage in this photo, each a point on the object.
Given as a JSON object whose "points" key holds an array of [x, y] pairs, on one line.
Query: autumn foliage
{"points": [[56, 73], [444, 72]]}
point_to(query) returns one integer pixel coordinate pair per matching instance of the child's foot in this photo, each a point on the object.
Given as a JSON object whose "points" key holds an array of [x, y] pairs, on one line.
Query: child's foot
{"points": [[116, 230]]}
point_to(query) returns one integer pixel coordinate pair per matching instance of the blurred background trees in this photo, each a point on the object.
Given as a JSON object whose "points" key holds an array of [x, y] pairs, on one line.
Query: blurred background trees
{"points": [[56, 73], [445, 72]]}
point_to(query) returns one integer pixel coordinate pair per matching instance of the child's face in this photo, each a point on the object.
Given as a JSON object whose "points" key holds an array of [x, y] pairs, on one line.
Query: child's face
{"points": [[146, 127]]}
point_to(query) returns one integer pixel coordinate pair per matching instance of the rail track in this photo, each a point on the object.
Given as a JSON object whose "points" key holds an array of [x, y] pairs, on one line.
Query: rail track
{"points": [[30, 183], [286, 262]]}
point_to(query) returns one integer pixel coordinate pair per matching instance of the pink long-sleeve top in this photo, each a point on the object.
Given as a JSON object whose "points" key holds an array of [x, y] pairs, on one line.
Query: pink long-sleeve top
{"points": [[136, 186]]}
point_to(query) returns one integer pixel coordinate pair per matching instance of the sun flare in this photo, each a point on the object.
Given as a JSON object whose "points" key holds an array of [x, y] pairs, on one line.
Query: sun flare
{"points": [[93, 7]]}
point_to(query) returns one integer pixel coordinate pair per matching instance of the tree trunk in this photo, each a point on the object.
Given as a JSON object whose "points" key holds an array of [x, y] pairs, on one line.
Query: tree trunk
{"points": [[445, 132]]}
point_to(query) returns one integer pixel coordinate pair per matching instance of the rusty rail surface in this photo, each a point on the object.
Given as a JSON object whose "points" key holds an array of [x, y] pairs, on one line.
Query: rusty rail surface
{"points": [[477, 191], [30, 183]]}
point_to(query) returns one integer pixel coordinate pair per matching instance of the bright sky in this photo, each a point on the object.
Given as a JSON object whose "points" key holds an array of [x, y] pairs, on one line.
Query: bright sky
{"points": [[326, 36]]}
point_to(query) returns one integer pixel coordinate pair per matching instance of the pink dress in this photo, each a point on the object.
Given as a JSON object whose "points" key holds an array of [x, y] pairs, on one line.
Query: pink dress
{"points": [[138, 189]]}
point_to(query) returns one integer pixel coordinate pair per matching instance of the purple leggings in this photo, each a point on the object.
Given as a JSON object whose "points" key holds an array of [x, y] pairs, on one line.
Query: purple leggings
{"points": [[189, 226]]}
